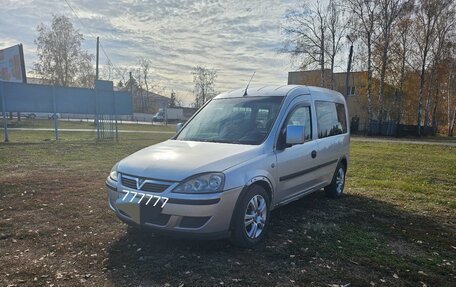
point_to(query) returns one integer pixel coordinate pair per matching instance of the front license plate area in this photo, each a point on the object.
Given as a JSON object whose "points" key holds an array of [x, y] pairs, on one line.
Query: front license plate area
{"points": [[143, 208], [149, 213]]}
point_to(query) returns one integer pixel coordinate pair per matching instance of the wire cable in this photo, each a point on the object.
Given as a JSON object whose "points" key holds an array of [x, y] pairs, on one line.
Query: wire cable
{"points": [[102, 48]]}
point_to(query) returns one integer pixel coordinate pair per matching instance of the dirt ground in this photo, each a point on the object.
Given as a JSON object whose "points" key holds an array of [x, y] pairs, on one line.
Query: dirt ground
{"points": [[56, 228]]}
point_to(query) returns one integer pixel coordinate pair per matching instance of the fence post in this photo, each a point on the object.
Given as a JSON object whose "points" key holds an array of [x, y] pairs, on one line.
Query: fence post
{"points": [[56, 120], [5, 118], [96, 113], [115, 115]]}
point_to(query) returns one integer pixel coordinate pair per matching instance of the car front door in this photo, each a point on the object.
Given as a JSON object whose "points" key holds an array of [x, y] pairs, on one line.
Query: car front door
{"points": [[297, 164]]}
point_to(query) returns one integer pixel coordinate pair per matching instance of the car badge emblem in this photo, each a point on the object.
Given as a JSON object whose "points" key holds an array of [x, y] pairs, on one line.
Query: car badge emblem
{"points": [[140, 182]]}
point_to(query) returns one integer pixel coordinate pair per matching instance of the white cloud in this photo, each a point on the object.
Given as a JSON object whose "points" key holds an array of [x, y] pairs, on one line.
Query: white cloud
{"points": [[233, 37]]}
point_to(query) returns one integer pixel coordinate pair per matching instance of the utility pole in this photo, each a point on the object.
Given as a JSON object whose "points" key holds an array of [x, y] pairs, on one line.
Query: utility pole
{"points": [[131, 90], [347, 78], [131, 84], [98, 56]]}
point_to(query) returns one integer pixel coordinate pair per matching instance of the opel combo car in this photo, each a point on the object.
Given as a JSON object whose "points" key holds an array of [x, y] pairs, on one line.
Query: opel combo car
{"points": [[243, 154]]}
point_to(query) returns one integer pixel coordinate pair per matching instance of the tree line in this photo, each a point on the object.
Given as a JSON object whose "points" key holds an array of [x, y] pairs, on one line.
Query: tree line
{"points": [[63, 62], [404, 44], [409, 45]]}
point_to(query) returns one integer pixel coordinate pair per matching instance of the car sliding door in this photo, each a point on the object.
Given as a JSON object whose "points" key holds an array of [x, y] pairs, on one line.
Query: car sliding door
{"points": [[332, 136]]}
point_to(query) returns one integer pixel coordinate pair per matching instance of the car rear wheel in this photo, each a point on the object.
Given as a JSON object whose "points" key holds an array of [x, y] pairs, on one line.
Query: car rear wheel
{"points": [[336, 188], [251, 217]]}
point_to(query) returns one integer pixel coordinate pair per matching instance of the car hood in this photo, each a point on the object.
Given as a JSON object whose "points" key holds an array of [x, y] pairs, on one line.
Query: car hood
{"points": [[176, 160]]}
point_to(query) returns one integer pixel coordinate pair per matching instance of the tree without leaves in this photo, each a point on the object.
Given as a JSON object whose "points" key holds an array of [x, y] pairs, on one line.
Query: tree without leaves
{"points": [[439, 52], [120, 75], [141, 86], [204, 81], [144, 65], [389, 13], [337, 27], [305, 31], [138, 91], [451, 111], [107, 71], [426, 16], [61, 60], [364, 24], [174, 101], [401, 50]]}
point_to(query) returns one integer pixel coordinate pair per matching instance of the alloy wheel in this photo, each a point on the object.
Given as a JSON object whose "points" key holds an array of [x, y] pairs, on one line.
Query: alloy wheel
{"points": [[255, 216], [340, 180]]}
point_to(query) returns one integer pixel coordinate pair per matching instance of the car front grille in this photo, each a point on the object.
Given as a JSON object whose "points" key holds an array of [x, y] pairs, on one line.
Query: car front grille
{"points": [[154, 187], [128, 182], [144, 184]]}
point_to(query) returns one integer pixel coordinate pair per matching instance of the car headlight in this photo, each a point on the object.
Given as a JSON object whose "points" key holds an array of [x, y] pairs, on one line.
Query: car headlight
{"points": [[202, 183], [113, 173]]}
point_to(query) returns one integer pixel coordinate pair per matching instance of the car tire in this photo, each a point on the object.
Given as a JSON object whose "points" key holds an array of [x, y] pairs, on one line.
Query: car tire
{"points": [[251, 218], [336, 188]]}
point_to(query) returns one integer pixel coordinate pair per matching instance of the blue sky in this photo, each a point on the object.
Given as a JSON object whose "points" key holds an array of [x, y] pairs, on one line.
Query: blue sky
{"points": [[233, 37]]}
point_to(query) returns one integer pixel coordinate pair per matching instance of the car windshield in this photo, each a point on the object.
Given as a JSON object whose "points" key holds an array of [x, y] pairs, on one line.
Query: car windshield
{"points": [[246, 120]]}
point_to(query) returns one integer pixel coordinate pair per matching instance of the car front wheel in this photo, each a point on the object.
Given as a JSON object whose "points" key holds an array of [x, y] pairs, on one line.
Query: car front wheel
{"points": [[251, 217]]}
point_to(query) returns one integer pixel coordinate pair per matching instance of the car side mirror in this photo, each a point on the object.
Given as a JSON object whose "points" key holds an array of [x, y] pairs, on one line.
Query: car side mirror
{"points": [[295, 135], [179, 127]]}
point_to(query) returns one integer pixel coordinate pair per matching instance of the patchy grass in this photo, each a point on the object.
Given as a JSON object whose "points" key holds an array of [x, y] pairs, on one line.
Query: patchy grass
{"points": [[395, 225], [77, 137], [83, 124], [137, 132]]}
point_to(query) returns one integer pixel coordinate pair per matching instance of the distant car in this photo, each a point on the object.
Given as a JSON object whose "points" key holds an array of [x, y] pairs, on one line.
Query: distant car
{"points": [[31, 116], [243, 154], [158, 118], [55, 115]]}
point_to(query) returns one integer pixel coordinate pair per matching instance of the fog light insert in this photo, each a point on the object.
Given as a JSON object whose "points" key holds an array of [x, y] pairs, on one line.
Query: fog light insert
{"points": [[193, 222]]}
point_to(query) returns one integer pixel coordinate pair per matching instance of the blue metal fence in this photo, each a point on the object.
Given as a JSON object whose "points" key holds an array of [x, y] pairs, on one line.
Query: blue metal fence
{"points": [[103, 100]]}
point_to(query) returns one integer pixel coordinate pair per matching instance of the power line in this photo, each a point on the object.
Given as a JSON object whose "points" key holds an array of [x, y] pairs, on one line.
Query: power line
{"points": [[102, 48], [79, 19], [110, 62]]}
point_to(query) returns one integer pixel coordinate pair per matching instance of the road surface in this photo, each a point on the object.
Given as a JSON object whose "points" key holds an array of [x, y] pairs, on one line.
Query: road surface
{"points": [[402, 141], [87, 130]]}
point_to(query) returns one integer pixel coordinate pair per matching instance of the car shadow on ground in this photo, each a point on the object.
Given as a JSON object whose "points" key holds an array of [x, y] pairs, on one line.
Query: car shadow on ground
{"points": [[315, 240]]}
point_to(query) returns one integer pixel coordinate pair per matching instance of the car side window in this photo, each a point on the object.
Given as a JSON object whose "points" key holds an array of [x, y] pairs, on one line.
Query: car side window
{"points": [[331, 119], [342, 119], [300, 116]]}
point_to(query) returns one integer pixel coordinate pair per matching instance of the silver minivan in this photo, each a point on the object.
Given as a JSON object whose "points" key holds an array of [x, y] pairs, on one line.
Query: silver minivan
{"points": [[243, 154]]}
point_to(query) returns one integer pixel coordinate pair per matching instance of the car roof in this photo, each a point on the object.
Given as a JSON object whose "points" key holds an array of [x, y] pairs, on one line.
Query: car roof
{"points": [[333, 94], [263, 91], [269, 91]]}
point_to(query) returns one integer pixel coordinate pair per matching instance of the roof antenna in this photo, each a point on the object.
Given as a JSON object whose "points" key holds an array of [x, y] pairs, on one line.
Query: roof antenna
{"points": [[245, 92]]}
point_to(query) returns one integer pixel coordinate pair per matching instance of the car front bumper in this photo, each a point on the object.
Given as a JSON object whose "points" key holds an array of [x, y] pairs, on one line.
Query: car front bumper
{"points": [[191, 215]]}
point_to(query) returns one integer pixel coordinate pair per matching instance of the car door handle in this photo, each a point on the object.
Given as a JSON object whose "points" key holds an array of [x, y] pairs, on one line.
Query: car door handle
{"points": [[314, 154]]}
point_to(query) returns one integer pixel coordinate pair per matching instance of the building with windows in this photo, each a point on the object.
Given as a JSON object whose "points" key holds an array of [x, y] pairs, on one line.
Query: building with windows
{"points": [[356, 100]]}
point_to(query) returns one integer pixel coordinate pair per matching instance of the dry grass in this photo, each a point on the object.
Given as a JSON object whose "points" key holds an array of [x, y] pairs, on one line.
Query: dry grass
{"points": [[395, 225]]}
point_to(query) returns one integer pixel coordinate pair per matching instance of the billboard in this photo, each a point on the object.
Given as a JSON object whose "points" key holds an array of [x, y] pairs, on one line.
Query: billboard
{"points": [[12, 66]]}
